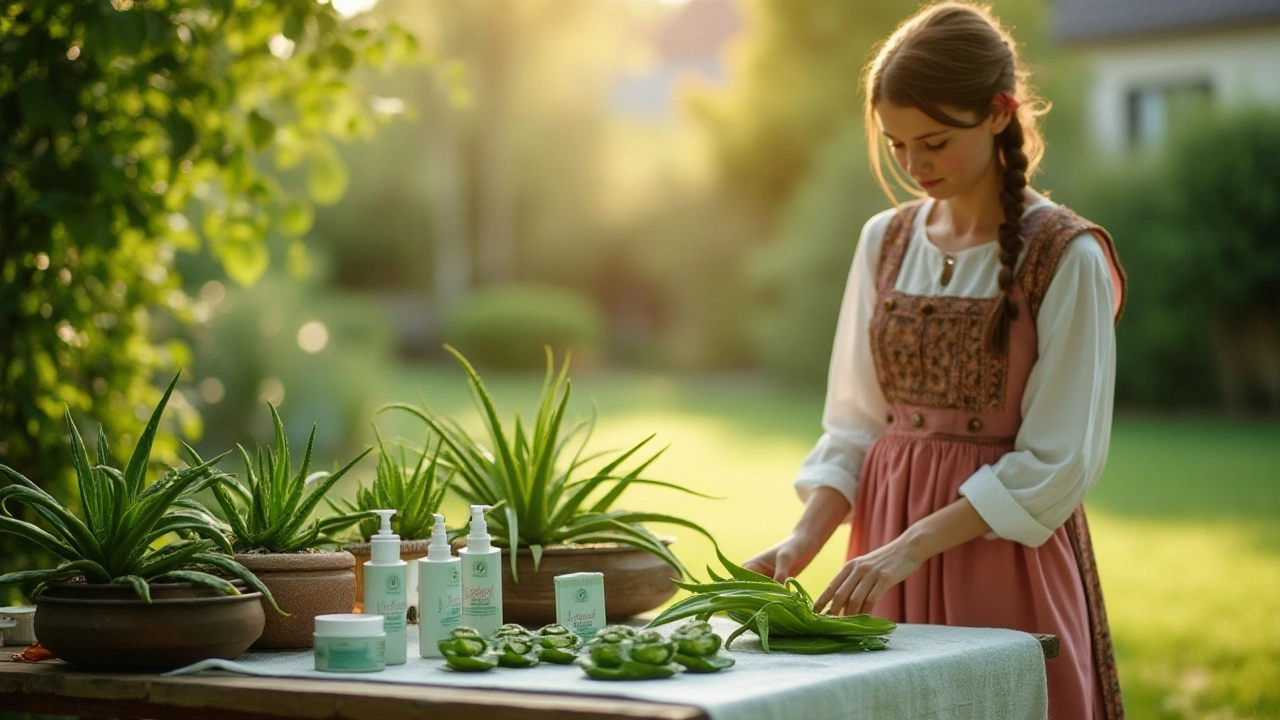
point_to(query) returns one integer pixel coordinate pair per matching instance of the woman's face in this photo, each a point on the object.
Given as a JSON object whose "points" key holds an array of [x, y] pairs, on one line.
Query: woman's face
{"points": [[944, 161]]}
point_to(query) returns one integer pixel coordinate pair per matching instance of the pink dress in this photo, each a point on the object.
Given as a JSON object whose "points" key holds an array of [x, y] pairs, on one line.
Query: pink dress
{"points": [[955, 407]]}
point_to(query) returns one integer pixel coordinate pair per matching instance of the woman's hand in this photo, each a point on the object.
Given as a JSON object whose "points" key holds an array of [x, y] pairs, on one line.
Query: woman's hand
{"points": [[823, 511], [863, 580], [786, 559]]}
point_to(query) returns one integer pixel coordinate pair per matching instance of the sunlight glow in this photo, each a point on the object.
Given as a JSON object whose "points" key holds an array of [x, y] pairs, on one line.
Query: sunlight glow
{"points": [[347, 8]]}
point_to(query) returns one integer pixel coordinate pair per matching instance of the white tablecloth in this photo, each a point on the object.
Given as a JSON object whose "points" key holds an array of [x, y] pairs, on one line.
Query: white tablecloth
{"points": [[929, 671]]}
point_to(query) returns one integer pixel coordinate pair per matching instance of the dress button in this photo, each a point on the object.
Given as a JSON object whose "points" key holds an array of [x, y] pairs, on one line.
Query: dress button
{"points": [[916, 419], [975, 425], [888, 304], [889, 418], [926, 309]]}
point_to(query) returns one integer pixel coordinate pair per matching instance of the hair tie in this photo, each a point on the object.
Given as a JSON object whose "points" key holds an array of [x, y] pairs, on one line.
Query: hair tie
{"points": [[1006, 102]]}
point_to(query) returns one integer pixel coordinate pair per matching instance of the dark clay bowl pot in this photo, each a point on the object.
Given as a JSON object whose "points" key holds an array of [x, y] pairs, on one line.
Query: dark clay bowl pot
{"points": [[106, 627]]}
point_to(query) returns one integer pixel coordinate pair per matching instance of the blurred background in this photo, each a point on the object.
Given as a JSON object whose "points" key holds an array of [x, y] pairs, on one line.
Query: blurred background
{"points": [[301, 203]]}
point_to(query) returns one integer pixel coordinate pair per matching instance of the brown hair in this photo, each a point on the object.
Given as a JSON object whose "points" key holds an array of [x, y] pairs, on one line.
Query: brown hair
{"points": [[957, 55]]}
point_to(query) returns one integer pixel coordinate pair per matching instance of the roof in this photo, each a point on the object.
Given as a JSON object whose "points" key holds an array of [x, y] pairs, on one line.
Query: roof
{"points": [[1079, 21]]}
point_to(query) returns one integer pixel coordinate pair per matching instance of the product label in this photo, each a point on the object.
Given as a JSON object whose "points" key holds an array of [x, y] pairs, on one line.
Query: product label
{"points": [[350, 654], [580, 603], [384, 594]]}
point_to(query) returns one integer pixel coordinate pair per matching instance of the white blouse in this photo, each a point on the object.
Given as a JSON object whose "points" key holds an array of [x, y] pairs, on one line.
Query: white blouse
{"points": [[1062, 444]]}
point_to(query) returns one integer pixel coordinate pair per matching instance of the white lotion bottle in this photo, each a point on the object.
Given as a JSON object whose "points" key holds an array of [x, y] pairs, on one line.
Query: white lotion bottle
{"points": [[481, 577], [386, 588], [439, 592]]}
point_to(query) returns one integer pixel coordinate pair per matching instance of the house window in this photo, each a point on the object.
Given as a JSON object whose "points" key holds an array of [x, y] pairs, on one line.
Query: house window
{"points": [[1155, 109]]}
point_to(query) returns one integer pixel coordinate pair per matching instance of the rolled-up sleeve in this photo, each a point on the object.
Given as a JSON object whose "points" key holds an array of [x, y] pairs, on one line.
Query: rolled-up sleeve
{"points": [[854, 414], [1062, 443]]}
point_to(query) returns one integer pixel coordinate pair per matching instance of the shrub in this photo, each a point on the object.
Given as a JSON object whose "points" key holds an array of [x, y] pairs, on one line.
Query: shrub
{"points": [[798, 280], [508, 326]]}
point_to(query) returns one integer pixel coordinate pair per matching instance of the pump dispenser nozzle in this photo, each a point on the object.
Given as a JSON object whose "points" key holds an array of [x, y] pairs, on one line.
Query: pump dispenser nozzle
{"points": [[385, 546], [439, 548], [478, 538]]}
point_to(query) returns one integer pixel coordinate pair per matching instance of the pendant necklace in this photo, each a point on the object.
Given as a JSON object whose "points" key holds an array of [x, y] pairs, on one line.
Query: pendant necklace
{"points": [[948, 267]]}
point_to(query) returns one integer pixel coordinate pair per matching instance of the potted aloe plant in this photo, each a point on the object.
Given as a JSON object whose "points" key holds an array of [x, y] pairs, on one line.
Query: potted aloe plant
{"points": [[117, 602], [413, 484], [273, 534], [554, 506]]}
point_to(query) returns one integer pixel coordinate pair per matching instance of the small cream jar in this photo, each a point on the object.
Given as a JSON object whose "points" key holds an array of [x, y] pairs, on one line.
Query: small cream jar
{"points": [[350, 643], [22, 631]]}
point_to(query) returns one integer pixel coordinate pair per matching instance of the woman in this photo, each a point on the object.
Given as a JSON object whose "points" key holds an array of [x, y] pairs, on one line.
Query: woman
{"points": [[970, 392]]}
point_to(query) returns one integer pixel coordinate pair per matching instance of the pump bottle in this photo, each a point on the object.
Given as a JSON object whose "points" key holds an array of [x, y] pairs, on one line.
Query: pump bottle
{"points": [[481, 577], [386, 588], [439, 592]]}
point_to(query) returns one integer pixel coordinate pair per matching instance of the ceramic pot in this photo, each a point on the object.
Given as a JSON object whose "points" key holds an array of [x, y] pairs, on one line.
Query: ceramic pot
{"points": [[106, 627], [305, 585], [410, 550], [635, 581]]}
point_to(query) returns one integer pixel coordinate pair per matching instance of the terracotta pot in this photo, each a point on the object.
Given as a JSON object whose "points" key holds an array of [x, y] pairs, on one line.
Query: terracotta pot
{"points": [[305, 585], [106, 627], [635, 581], [410, 550]]}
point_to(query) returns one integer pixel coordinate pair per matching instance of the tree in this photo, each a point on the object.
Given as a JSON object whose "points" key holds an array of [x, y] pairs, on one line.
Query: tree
{"points": [[132, 130]]}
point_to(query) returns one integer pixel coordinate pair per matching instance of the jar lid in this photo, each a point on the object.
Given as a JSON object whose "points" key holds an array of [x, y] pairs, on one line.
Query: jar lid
{"points": [[349, 625], [17, 610]]}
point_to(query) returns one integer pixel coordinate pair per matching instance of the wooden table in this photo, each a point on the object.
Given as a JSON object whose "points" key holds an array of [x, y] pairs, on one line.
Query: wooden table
{"points": [[52, 687]]}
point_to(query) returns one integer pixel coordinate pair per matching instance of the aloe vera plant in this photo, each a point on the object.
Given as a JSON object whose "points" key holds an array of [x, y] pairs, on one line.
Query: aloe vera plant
{"points": [[269, 510], [782, 615], [544, 491], [413, 489], [123, 517]]}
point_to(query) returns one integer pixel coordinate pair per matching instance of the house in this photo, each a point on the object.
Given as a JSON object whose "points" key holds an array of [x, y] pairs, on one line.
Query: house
{"points": [[1152, 60]]}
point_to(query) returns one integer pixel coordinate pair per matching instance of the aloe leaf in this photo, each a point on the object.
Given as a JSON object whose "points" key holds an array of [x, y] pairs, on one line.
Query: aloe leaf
{"points": [[90, 499], [493, 424], [303, 511], [74, 533], [544, 459], [143, 515], [137, 467], [200, 578], [240, 572], [739, 572], [180, 521], [623, 483], [572, 506], [139, 585], [38, 536]]}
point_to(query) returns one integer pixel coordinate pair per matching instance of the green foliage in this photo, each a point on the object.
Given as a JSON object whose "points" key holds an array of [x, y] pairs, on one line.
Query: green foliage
{"points": [[522, 472], [123, 517], [269, 509], [414, 494], [1222, 181], [799, 278], [1195, 226], [130, 131], [775, 611], [249, 350], [509, 325]]}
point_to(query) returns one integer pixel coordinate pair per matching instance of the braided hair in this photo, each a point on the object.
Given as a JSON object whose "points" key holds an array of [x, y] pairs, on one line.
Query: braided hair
{"points": [[956, 55]]}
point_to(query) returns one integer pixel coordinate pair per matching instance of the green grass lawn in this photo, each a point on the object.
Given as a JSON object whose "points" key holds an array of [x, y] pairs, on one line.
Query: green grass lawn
{"points": [[1184, 519]]}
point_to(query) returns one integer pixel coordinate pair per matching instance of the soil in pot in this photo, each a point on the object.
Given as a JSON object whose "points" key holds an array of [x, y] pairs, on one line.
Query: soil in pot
{"points": [[106, 627], [635, 581], [305, 585]]}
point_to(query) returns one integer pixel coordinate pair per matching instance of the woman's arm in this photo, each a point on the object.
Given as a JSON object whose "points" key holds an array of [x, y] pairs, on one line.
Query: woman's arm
{"points": [[823, 513], [862, 581]]}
